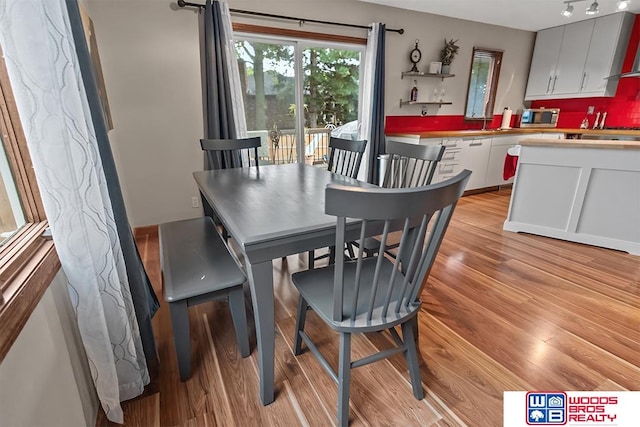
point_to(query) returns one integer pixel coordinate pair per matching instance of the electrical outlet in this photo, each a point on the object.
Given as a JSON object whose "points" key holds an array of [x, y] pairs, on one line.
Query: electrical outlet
{"points": [[591, 109], [195, 202]]}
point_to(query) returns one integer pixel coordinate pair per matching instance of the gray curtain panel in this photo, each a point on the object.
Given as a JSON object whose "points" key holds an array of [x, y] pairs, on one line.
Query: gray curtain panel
{"points": [[220, 122], [144, 298], [376, 137]]}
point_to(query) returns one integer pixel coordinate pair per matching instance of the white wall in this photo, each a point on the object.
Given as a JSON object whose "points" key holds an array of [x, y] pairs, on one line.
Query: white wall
{"points": [[150, 57], [45, 378]]}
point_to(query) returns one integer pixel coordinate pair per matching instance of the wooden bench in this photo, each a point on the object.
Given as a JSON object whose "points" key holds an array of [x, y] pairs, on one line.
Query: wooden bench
{"points": [[198, 267]]}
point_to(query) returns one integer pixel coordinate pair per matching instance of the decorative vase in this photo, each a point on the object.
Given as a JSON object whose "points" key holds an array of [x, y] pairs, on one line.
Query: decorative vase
{"points": [[446, 69]]}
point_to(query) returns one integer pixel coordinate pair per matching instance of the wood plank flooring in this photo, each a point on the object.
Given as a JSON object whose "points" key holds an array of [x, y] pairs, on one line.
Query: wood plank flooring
{"points": [[501, 311]]}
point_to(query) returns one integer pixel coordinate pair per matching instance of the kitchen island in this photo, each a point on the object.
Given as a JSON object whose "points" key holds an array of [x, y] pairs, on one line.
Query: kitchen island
{"points": [[585, 191]]}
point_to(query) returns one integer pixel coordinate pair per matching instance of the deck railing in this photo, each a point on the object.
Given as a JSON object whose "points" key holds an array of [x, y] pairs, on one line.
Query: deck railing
{"points": [[281, 146]]}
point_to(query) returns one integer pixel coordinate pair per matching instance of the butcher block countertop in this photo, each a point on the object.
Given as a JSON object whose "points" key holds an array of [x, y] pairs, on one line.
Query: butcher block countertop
{"points": [[515, 131], [581, 143]]}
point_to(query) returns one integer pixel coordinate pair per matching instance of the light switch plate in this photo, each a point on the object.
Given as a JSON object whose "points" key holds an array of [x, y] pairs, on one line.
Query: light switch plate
{"points": [[591, 109]]}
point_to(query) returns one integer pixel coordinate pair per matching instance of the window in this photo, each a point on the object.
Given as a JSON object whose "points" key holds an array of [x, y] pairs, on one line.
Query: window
{"points": [[28, 261], [296, 92], [483, 83]]}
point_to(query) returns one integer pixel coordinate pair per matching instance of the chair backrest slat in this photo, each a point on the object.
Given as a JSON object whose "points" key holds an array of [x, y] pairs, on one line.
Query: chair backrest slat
{"points": [[356, 290], [411, 165], [338, 279], [345, 156], [385, 210], [231, 153], [376, 275]]}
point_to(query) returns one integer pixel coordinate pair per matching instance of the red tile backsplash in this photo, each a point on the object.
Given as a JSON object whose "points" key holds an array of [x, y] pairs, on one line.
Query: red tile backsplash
{"points": [[622, 110], [418, 124]]}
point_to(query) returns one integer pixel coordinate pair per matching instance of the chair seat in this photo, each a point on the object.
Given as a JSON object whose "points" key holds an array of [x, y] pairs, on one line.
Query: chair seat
{"points": [[316, 287], [196, 260], [372, 244]]}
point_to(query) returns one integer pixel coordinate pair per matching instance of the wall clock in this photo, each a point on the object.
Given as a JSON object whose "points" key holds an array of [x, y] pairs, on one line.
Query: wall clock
{"points": [[414, 56]]}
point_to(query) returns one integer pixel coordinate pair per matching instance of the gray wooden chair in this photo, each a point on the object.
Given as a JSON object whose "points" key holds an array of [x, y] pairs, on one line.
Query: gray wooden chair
{"points": [[374, 294], [408, 166], [227, 154], [198, 267], [231, 153], [345, 157]]}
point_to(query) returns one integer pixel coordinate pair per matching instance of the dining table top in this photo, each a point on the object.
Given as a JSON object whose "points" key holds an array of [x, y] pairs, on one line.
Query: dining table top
{"points": [[266, 203]]}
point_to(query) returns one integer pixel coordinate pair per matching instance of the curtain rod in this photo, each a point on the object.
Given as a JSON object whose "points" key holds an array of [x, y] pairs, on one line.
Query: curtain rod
{"points": [[183, 3]]}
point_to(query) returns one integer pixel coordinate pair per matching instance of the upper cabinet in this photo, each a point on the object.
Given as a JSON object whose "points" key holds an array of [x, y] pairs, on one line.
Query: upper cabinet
{"points": [[573, 61]]}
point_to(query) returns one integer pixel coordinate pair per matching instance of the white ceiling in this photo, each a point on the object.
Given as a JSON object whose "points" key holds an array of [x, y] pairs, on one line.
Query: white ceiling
{"points": [[532, 15]]}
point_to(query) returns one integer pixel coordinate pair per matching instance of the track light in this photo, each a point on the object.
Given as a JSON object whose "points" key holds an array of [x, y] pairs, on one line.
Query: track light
{"points": [[593, 9], [568, 11], [623, 4]]}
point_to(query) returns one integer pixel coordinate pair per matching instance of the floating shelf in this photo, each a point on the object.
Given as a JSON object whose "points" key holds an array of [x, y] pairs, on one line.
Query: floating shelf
{"points": [[418, 74], [438, 103]]}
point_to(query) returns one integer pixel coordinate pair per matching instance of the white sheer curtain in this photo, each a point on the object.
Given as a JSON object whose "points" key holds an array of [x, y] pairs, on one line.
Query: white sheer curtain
{"points": [[43, 67], [368, 79], [237, 103]]}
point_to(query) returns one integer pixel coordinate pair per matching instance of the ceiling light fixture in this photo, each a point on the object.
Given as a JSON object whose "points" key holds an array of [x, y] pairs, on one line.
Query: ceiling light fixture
{"points": [[623, 4], [568, 11], [593, 9]]}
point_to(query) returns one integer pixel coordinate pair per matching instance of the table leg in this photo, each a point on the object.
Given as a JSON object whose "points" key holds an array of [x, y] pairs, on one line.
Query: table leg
{"points": [[261, 284]]}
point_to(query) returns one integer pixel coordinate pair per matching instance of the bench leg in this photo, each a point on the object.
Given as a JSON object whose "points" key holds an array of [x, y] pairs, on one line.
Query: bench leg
{"points": [[181, 337], [239, 316]]}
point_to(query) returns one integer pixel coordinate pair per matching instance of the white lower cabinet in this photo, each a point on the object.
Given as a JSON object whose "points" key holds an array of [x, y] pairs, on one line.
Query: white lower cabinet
{"points": [[460, 154], [475, 157], [499, 147], [483, 156]]}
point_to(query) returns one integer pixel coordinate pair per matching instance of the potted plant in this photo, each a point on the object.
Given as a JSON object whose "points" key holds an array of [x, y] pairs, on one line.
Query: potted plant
{"points": [[448, 52]]}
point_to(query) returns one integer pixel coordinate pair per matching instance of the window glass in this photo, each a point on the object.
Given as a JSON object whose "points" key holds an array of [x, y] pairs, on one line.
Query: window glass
{"points": [[297, 93], [11, 213], [483, 83]]}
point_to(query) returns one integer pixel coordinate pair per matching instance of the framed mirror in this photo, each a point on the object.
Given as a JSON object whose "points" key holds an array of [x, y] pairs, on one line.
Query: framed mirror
{"points": [[483, 83]]}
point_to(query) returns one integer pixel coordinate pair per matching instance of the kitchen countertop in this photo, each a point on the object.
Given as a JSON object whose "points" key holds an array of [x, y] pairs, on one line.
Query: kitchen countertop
{"points": [[581, 143], [514, 131]]}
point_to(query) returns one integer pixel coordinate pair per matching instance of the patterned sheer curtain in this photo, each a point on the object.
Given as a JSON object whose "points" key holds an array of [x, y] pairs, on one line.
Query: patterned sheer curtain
{"points": [[45, 74]]}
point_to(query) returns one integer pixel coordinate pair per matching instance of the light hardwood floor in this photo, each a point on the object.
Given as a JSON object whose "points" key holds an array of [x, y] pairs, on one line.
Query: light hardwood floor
{"points": [[501, 311]]}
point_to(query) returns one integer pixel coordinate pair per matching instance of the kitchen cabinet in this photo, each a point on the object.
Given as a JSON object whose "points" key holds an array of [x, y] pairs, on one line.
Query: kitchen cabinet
{"points": [[573, 61], [499, 147], [475, 157], [569, 73], [603, 61], [544, 61], [460, 154]]}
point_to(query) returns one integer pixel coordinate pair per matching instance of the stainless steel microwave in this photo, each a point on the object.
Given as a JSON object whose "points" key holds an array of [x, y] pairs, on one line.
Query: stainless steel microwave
{"points": [[539, 118]]}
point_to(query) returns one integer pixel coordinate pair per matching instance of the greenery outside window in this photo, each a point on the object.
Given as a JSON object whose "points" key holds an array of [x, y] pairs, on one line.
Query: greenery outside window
{"points": [[298, 87], [28, 260], [483, 83]]}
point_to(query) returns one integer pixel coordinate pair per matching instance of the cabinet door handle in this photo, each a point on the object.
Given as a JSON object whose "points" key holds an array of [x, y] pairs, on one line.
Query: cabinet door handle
{"points": [[549, 83], [555, 79], [475, 144], [584, 76]]}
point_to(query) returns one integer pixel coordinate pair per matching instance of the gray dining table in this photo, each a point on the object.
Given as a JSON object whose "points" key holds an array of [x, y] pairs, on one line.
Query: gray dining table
{"points": [[271, 212]]}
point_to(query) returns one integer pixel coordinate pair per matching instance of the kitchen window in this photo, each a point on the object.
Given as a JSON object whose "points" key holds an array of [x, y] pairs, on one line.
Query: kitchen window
{"points": [[483, 83], [28, 260]]}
